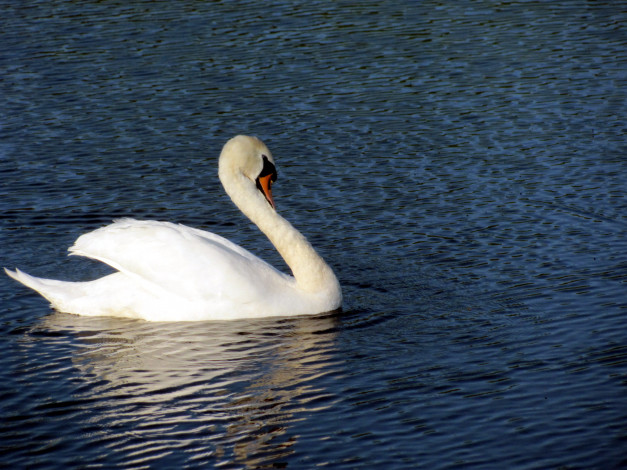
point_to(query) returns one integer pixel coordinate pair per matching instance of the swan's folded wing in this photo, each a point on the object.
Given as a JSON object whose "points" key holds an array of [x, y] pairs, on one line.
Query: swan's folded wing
{"points": [[184, 261]]}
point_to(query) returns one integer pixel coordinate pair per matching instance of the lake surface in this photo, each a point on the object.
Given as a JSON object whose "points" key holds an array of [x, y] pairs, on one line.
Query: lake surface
{"points": [[461, 165]]}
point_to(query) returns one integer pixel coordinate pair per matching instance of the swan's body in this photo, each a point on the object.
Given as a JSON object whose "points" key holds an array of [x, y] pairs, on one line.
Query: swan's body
{"points": [[169, 272]]}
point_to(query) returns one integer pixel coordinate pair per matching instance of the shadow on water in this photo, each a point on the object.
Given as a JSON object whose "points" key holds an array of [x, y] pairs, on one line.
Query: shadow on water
{"points": [[218, 391]]}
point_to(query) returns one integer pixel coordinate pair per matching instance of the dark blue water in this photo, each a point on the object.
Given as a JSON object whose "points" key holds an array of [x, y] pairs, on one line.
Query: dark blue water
{"points": [[461, 165]]}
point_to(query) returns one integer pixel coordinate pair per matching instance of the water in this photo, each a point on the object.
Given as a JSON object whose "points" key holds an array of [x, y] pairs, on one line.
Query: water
{"points": [[461, 165]]}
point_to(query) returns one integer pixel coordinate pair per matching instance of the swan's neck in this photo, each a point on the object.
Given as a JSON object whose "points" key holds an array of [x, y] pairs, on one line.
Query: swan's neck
{"points": [[310, 271]]}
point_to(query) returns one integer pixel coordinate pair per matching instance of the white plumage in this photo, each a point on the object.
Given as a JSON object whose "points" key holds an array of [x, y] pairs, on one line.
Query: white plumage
{"points": [[170, 272]]}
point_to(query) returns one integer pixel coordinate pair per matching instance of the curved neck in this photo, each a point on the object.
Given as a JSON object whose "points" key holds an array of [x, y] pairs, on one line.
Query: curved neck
{"points": [[310, 271]]}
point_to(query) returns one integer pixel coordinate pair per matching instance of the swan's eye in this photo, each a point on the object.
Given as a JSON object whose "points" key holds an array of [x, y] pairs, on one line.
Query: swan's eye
{"points": [[268, 169]]}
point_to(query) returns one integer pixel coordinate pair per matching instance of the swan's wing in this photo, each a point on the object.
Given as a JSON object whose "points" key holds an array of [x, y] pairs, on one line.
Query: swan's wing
{"points": [[184, 261]]}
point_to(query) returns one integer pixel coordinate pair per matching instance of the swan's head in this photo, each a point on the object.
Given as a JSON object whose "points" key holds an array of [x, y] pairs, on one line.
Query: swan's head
{"points": [[249, 157]]}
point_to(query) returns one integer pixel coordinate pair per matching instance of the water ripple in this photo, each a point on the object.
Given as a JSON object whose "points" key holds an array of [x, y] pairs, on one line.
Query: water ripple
{"points": [[459, 165]]}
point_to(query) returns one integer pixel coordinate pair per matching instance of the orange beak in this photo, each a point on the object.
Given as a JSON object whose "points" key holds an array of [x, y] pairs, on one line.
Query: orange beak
{"points": [[266, 187]]}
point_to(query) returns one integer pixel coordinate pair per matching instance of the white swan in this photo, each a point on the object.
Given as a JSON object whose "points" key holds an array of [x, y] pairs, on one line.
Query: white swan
{"points": [[169, 272]]}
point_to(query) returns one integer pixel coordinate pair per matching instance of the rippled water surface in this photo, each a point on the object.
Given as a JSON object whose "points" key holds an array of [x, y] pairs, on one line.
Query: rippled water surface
{"points": [[461, 165]]}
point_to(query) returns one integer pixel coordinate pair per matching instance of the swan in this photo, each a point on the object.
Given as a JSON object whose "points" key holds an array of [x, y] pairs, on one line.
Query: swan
{"points": [[171, 272]]}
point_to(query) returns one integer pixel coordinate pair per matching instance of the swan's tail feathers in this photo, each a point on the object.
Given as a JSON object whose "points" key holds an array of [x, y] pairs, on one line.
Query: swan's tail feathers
{"points": [[26, 279], [56, 292]]}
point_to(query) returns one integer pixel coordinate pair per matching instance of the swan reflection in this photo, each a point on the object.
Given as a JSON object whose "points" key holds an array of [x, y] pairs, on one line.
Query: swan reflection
{"points": [[219, 391]]}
